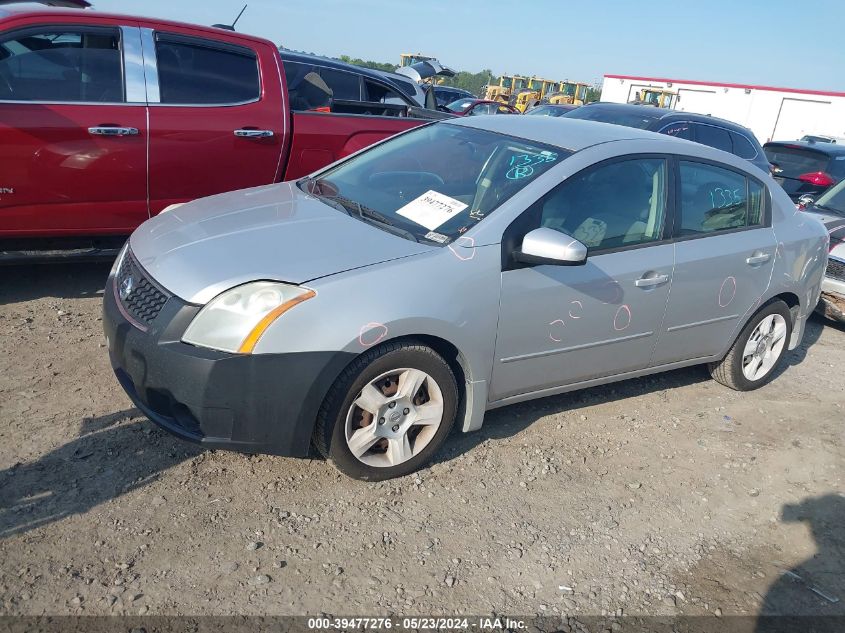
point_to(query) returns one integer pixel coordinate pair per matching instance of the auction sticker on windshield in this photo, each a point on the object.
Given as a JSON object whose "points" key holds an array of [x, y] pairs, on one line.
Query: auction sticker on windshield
{"points": [[431, 209]]}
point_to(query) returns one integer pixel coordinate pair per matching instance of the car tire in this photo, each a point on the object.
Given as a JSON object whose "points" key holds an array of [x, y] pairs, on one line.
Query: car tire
{"points": [[757, 351], [394, 431]]}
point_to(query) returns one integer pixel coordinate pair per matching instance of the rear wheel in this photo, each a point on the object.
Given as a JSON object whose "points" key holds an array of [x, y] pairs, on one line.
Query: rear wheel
{"points": [[757, 351], [388, 413]]}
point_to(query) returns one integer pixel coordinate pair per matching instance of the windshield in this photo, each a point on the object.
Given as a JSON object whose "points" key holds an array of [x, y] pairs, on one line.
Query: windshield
{"points": [[435, 182], [618, 116], [833, 199], [547, 110], [460, 105]]}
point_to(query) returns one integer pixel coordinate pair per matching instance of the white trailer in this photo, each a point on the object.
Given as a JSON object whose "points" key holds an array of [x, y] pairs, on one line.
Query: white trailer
{"points": [[773, 114]]}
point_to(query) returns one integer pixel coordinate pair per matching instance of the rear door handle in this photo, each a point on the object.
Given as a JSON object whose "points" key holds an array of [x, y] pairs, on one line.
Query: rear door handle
{"points": [[242, 133], [757, 258], [650, 282], [109, 130]]}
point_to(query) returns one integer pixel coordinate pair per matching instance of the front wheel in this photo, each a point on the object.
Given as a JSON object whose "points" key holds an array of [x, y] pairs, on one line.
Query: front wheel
{"points": [[388, 413], [757, 351]]}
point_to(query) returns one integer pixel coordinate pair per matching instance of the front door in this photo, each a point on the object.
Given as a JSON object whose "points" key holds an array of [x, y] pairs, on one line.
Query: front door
{"points": [[560, 325], [72, 147], [724, 256]]}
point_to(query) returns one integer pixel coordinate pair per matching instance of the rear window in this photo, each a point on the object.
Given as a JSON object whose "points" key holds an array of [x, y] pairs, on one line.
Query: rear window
{"points": [[194, 71], [791, 162], [714, 137], [345, 86], [743, 147], [613, 115]]}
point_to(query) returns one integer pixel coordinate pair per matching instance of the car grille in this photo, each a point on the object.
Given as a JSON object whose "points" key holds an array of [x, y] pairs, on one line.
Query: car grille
{"points": [[144, 299], [835, 269]]}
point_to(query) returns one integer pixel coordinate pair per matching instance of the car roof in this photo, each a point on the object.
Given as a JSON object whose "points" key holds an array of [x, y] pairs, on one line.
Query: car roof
{"points": [[50, 12], [569, 134], [824, 148], [665, 114], [308, 58]]}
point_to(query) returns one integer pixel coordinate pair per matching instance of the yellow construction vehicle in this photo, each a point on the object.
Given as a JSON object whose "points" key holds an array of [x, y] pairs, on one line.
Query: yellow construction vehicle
{"points": [[497, 93], [522, 92], [658, 97]]}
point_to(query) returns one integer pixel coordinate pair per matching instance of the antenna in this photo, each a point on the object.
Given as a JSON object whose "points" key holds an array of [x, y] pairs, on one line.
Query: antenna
{"points": [[231, 27]]}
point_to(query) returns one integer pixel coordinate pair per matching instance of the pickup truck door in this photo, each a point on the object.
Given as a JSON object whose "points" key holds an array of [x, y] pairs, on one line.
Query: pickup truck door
{"points": [[73, 129], [218, 120]]}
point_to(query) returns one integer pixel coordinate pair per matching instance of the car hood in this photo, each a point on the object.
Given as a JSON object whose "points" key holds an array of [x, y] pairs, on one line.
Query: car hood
{"points": [[276, 232]]}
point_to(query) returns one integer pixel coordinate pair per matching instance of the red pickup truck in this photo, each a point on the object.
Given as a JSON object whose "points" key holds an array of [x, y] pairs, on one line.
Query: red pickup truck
{"points": [[105, 120]]}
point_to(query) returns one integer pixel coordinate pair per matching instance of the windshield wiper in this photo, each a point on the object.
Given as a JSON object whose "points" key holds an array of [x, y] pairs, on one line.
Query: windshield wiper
{"points": [[368, 214], [831, 209]]}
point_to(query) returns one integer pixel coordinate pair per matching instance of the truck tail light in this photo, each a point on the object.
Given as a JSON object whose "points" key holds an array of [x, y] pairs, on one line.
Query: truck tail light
{"points": [[818, 178]]}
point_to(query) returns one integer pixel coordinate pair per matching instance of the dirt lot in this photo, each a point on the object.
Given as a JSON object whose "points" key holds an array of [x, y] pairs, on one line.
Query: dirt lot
{"points": [[661, 495]]}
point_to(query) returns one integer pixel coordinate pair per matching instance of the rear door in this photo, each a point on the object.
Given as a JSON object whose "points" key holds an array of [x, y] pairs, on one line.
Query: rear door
{"points": [[73, 131], [218, 121], [799, 169], [724, 255]]}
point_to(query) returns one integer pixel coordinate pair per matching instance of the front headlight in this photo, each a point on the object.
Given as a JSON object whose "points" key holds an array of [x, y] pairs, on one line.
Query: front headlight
{"points": [[235, 320]]}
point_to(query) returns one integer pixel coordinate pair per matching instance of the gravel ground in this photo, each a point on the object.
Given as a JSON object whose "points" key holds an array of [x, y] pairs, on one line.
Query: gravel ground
{"points": [[662, 495]]}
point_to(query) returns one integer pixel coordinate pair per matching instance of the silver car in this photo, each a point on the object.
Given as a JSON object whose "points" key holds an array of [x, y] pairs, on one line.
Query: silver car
{"points": [[465, 265]]}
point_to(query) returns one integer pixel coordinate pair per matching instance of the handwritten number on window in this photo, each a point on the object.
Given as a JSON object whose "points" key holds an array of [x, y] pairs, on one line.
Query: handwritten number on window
{"points": [[722, 198]]}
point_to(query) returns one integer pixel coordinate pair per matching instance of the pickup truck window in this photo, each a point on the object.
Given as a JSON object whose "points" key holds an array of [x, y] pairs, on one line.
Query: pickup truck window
{"points": [[62, 65], [194, 71]]}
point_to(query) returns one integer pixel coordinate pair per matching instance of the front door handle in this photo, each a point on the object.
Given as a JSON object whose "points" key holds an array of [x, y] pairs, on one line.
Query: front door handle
{"points": [[650, 282], [243, 133], [110, 130], [757, 258]]}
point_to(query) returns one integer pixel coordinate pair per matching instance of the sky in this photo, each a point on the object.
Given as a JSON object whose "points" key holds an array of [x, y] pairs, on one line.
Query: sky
{"points": [[780, 43]]}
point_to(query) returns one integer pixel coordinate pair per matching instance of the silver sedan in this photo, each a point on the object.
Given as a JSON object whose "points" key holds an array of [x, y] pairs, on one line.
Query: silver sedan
{"points": [[368, 309]]}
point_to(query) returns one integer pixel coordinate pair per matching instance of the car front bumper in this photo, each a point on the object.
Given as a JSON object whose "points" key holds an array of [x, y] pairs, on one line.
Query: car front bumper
{"points": [[255, 403]]}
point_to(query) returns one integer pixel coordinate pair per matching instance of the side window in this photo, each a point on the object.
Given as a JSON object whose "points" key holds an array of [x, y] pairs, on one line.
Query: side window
{"points": [[742, 146], [617, 204], [714, 137], [503, 110], [680, 129], [379, 93], [345, 86], [203, 72], [67, 65], [716, 199]]}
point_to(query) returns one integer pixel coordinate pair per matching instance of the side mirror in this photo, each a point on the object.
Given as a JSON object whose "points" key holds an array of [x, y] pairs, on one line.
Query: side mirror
{"points": [[547, 246], [805, 201]]}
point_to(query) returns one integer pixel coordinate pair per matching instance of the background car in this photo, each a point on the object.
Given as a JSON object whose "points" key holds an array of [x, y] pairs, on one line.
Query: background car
{"points": [[830, 209], [445, 95], [806, 169], [550, 109], [472, 107], [355, 89], [539, 257], [719, 133]]}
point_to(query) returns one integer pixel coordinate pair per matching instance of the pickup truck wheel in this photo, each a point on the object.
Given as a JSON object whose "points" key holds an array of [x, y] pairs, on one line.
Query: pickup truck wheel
{"points": [[757, 351], [388, 413]]}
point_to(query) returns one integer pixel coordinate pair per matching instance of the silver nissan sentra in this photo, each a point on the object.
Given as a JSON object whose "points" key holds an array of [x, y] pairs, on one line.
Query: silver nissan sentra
{"points": [[465, 265]]}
